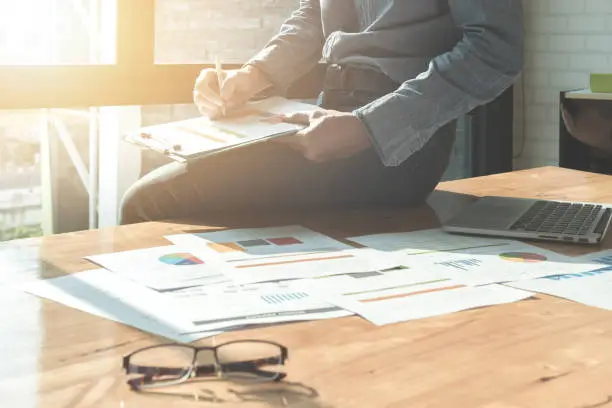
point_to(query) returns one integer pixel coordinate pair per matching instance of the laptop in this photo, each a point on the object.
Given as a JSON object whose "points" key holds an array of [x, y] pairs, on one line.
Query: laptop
{"points": [[577, 222]]}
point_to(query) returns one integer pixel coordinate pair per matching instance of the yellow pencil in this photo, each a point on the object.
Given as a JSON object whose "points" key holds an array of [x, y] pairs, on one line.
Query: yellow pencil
{"points": [[219, 69]]}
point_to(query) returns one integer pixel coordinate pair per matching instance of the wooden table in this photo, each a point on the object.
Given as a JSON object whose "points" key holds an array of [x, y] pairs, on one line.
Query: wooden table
{"points": [[546, 352]]}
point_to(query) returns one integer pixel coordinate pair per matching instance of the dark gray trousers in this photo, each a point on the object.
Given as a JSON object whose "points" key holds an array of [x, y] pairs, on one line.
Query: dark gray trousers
{"points": [[269, 176]]}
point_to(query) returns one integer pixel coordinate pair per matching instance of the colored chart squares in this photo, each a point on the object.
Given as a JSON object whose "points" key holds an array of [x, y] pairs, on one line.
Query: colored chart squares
{"points": [[245, 245], [522, 257], [225, 247], [253, 243], [284, 241], [182, 259]]}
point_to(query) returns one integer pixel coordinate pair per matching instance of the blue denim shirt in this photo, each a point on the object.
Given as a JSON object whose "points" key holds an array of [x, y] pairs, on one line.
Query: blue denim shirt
{"points": [[449, 56]]}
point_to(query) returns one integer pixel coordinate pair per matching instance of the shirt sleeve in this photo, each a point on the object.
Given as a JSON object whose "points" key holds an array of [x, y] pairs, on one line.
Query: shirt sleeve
{"points": [[296, 49], [483, 64]]}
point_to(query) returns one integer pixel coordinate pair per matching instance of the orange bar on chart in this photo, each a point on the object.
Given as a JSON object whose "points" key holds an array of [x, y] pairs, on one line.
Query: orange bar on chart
{"points": [[403, 295], [225, 247], [294, 261]]}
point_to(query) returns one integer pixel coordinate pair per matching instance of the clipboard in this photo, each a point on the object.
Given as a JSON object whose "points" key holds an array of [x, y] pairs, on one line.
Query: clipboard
{"points": [[200, 137]]}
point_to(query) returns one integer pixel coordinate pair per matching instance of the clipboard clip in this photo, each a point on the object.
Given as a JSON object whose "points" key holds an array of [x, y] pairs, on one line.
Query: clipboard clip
{"points": [[148, 141]]}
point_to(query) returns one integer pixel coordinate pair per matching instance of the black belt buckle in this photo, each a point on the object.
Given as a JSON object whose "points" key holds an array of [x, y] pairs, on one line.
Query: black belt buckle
{"points": [[335, 77]]}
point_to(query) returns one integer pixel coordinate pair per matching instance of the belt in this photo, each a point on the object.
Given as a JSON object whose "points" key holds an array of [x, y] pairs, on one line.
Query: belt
{"points": [[345, 78]]}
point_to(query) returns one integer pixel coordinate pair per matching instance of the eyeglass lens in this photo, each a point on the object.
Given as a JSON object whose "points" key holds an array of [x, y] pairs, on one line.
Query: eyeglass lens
{"points": [[169, 363], [250, 360]]}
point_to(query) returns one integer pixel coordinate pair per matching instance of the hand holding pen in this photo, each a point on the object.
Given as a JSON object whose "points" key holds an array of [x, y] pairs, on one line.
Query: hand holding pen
{"points": [[218, 91]]}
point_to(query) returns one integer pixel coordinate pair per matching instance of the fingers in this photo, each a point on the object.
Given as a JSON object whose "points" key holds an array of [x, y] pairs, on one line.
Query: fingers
{"points": [[228, 89], [207, 87], [303, 118], [212, 101], [205, 107], [206, 94], [299, 118], [317, 114], [237, 100], [301, 141]]}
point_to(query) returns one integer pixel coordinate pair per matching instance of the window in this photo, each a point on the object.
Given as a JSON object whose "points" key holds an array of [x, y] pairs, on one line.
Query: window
{"points": [[20, 184], [36, 34], [57, 32], [76, 74]]}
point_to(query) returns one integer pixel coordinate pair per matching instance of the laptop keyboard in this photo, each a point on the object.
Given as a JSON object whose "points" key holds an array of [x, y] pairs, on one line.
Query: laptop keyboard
{"points": [[562, 218]]}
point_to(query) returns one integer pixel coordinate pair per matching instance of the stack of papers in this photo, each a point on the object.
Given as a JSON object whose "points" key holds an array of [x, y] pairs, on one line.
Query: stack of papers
{"points": [[199, 137], [405, 294], [208, 283], [474, 260], [102, 293]]}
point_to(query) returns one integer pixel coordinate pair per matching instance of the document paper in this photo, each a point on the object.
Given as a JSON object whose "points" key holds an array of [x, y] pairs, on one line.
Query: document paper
{"points": [[601, 257], [164, 267], [474, 260], [424, 241], [310, 265], [592, 287], [405, 294], [252, 243], [510, 262], [238, 306], [110, 296], [439, 300]]}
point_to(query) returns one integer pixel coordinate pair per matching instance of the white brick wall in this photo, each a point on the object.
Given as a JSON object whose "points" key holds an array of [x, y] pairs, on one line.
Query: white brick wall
{"points": [[566, 40], [197, 31]]}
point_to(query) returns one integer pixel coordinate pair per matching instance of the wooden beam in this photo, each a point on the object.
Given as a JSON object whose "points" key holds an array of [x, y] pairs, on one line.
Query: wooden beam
{"points": [[83, 86], [32, 87]]}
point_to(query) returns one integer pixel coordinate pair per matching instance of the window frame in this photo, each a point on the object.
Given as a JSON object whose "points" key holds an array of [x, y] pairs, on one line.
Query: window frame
{"points": [[135, 78]]}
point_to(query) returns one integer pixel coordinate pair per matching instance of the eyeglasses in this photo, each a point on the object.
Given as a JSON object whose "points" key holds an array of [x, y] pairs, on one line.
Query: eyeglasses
{"points": [[171, 364]]}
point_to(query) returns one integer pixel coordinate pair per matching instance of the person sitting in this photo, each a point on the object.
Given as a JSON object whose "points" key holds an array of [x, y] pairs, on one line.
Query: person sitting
{"points": [[399, 74]]}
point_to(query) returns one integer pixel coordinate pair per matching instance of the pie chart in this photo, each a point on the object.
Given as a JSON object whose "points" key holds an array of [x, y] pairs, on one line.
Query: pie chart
{"points": [[181, 259], [522, 257]]}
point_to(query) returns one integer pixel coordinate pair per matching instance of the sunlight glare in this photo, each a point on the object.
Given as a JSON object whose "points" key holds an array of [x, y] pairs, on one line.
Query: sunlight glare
{"points": [[27, 31], [54, 32]]}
